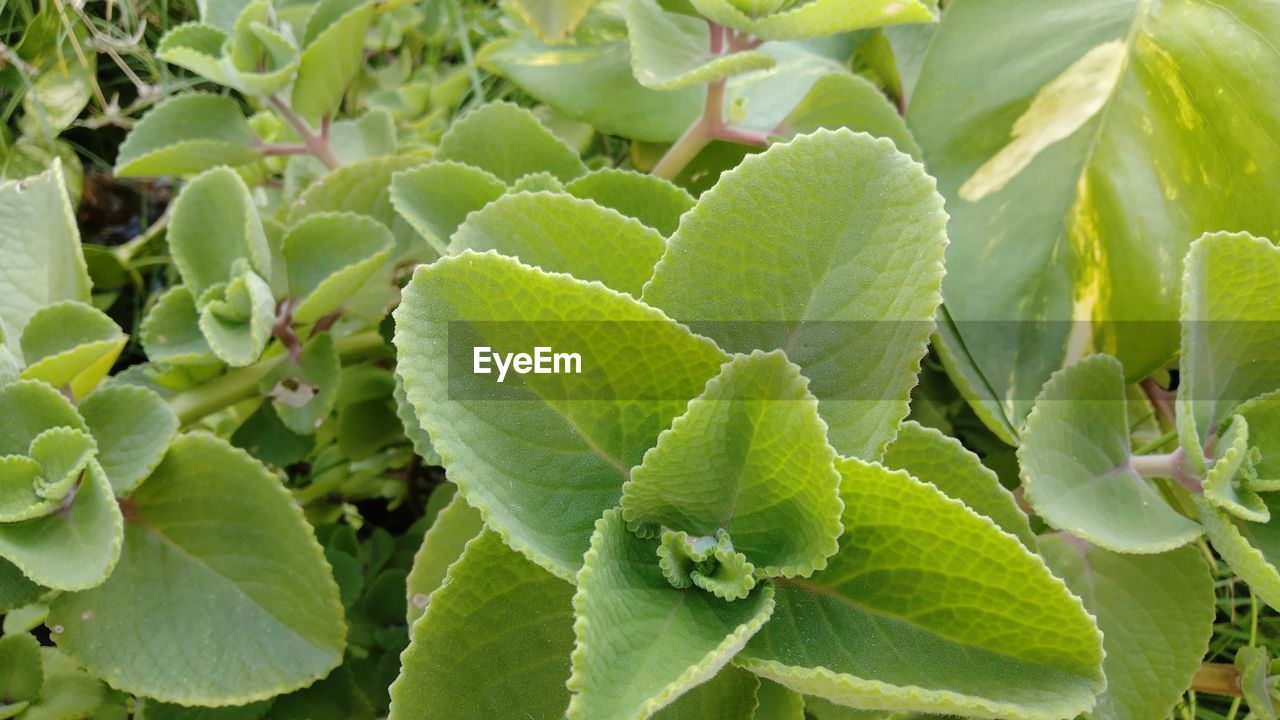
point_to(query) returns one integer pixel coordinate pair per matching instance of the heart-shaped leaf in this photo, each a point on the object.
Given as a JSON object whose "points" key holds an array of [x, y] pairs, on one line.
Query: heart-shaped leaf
{"points": [[202, 532], [508, 142], [561, 233], [511, 459], [641, 642], [185, 135], [930, 607], [749, 457], [133, 428], [437, 197], [670, 51], [653, 201], [329, 257], [857, 315], [332, 54], [1075, 459], [71, 344], [496, 619], [816, 18]]}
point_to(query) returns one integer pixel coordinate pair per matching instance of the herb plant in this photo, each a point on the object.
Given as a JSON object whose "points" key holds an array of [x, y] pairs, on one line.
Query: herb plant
{"points": [[886, 376]]}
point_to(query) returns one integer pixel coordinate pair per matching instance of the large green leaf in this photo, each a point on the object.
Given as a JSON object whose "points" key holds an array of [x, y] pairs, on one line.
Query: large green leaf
{"points": [[332, 54], [215, 227], [1076, 468], [71, 344], [1230, 329], [641, 642], [542, 466], [329, 257], [187, 617], [830, 248], [1156, 615], [41, 247], [1074, 154], [509, 142], [750, 457], [437, 197], [187, 134], [494, 642], [442, 544], [942, 461], [670, 51], [814, 18], [929, 607], [133, 427], [651, 200], [562, 233]]}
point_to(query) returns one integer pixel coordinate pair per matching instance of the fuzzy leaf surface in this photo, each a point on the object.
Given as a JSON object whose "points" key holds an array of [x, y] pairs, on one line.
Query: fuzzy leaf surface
{"points": [[442, 544], [133, 427], [185, 135], [509, 142], [653, 201], [437, 197], [71, 344], [329, 256], [670, 51], [332, 54]]}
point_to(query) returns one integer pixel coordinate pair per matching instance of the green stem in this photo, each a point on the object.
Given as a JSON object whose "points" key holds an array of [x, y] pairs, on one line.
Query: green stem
{"points": [[317, 144], [242, 383], [468, 53], [1157, 443], [683, 151]]}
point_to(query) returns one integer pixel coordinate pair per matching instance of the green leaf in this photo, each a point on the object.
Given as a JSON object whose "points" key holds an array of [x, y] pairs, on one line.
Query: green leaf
{"points": [[930, 607], [264, 59], [72, 344], [670, 51], [74, 548], [641, 642], [437, 197], [1251, 549], [15, 589], [494, 642], [62, 453], [1263, 415], [1254, 666], [443, 543], [330, 256], [155, 710], [1229, 327], [215, 226], [857, 333], [41, 246], [1156, 615], [332, 55], [237, 317], [185, 135], [203, 531], [651, 200], [68, 692], [945, 463], [730, 695], [199, 48], [777, 702], [364, 188], [841, 100], [412, 428], [1074, 174], [171, 330], [816, 18], [552, 20], [1076, 469], [303, 391], [21, 676], [133, 427], [28, 410], [509, 142], [511, 459], [594, 84], [750, 457], [562, 233], [1226, 485]]}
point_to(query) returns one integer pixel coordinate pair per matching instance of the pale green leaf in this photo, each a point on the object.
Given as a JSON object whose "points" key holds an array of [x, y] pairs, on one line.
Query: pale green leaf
{"points": [[133, 427], [437, 197], [929, 607], [509, 142], [199, 48], [1156, 614], [750, 457], [1230, 327], [799, 248], [303, 390], [20, 673], [62, 453], [71, 344], [1263, 415], [332, 55], [68, 692], [537, 182], [262, 58], [412, 428], [815, 18], [1226, 485], [552, 20], [1255, 666], [443, 543], [1076, 469], [562, 233], [188, 595], [1251, 549], [494, 642], [651, 200], [171, 330], [670, 51], [41, 246], [543, 466], [185, 135], [28, 410], [943, 462], [641, 643], [237, 317], [330, 256], [74, 548], [841, 100], [730, 695], [708, 562], [215, 226], [1073, 155]]}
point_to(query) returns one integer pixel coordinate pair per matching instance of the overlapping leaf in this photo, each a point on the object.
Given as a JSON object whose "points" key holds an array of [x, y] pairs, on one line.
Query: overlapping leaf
{"points": [[71, 344], [443, 543], [332, 54], [171, 330], [437, 197], [329, 256], [651, 200], [812, 19], [1251, 549], [508, 142], [670, 51], [795, 249], [133, 428], [1263, 415], [185, 135]]}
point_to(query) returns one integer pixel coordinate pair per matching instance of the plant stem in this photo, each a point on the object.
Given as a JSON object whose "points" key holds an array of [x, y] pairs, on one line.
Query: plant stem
{"points": [[242, 383], [1166, 465], [315, 143], [1217, 679], [683, 151], [1157, 443]]}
